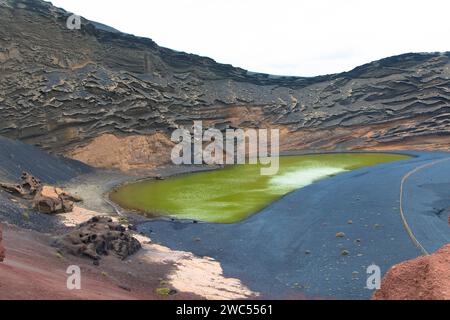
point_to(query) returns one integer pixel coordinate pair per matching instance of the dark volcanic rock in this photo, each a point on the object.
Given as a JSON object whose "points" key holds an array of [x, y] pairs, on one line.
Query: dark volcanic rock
{"points": [[45, 199], [62, 88], [28, 186], [99, 236]]}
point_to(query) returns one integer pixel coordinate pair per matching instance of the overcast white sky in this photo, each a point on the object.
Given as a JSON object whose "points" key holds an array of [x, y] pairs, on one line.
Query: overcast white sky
{"points": [[285, 37]]}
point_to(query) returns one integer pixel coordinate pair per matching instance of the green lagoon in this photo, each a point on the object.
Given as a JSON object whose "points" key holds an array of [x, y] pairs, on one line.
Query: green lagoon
{"points": [[236, 192]]}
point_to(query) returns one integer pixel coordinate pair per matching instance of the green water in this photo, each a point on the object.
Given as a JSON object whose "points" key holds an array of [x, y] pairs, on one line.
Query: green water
{"points": [[236, 192]]}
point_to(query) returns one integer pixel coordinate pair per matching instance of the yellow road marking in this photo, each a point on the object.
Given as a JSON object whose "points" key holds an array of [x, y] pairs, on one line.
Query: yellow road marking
{"points": [[402, 213]]}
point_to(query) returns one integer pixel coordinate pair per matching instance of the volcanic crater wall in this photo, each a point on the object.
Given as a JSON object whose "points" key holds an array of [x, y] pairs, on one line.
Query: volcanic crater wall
{"points": [[63, 90]]}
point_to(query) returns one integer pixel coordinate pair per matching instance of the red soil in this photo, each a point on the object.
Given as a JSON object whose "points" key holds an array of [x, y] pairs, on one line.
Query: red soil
{"points": [[33, 270], [2, 250], [423, 278]]}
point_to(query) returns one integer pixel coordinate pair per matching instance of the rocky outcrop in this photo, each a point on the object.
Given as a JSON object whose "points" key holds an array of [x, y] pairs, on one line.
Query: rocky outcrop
{"points": [[426, 277], [2, 249], [51, 200], [63, 90], [99, 236], [28, 187], [45, 199]]}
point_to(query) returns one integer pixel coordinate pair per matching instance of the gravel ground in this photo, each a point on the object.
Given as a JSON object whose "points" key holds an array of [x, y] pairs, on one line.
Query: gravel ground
{"points": [[16, 157]]}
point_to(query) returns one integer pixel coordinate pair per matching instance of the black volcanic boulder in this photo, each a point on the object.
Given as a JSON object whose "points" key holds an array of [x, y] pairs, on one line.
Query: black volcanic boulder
{"points": [[30, 184], [99, 236]]}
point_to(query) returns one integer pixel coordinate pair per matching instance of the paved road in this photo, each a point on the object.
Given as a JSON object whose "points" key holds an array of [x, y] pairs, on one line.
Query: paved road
{"points": [[290, 248]]}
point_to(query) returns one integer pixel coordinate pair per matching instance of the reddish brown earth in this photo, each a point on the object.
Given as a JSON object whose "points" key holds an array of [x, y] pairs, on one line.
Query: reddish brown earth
{"points": [[125, 153], [34, 266], [2, 250], [422, 278]]}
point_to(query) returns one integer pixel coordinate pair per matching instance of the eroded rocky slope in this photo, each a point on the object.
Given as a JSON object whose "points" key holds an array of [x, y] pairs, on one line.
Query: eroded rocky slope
{"points": [[68, 91]]}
